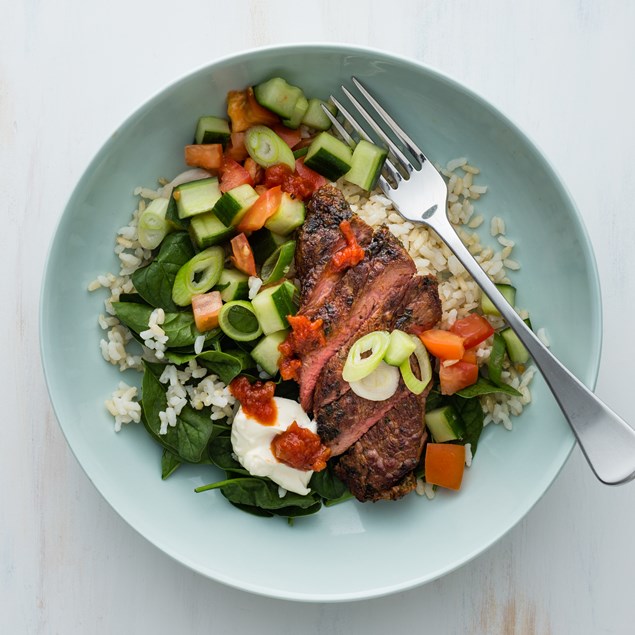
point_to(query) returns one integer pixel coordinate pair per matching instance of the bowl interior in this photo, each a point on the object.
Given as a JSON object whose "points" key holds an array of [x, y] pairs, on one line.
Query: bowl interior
{"points": [[362, 550]]}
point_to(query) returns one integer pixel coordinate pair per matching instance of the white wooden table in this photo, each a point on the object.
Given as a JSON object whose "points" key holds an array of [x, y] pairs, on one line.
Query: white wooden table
{"points": [[70, 71]]}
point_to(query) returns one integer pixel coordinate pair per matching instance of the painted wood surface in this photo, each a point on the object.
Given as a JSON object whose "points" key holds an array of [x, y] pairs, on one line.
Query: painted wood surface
{"points": [[70, 71]]}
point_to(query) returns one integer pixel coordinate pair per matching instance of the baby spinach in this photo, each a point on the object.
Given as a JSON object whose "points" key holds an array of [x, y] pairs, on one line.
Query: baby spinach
{"points": [[485, 387], [172, 215], [327, 485], [154, 282], [220, 452], [169, 463], [225, 365], [471, 413], [179, 327], [194, 428], [496, 359]]}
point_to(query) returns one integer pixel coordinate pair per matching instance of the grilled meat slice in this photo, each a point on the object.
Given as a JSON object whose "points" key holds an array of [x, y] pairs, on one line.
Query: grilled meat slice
{"points": [[319, 238], [380, 465], [361, 292], [413, 308]]}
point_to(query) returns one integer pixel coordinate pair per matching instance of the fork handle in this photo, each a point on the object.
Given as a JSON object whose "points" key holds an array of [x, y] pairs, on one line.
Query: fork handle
{"points": [[607, 441]]}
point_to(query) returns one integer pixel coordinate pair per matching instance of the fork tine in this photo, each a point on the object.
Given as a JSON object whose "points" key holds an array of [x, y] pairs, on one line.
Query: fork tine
{"points": [[396, 151], [390, 122], [388, 165]]}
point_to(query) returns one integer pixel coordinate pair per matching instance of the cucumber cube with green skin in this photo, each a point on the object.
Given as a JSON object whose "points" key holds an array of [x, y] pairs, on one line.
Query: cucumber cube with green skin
{"points": [[233, 205], [196, 197], [508, 292], [315, 117], [233, 285], [266, 353], [212, 130], [329, 156], [289, 216], [278, 96], [444, 425], [298, 113], [206, 230], [516, 350], [366, 165], [264, 242], [273, 305]]}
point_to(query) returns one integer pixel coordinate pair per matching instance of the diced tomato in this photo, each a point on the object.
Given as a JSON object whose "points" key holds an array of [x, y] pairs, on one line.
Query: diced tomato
{"points": [[457, 376], [445, 464], [443, 344], [265, 207], [208, 156], [289, 136], [469, 356], [243, 256], [256, 171], [232, 175], [474, 329], [301, 183], [245, 112], [236, 149], [206, 307]]}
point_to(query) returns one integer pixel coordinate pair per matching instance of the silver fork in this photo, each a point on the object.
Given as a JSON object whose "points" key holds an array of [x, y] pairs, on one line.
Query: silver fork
{"points": [[419, 193]]}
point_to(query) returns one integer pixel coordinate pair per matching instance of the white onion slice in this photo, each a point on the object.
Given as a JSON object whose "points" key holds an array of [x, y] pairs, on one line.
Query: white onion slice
{"points": [[380, 385], [196, 174]]}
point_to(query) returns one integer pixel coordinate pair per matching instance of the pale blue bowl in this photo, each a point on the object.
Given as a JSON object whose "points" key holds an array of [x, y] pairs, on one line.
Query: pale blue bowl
{"points": [[349, 551]]}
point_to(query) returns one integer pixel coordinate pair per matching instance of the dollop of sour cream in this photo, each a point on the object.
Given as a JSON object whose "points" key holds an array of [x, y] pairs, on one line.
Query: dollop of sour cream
{"points": [[251, 442]]}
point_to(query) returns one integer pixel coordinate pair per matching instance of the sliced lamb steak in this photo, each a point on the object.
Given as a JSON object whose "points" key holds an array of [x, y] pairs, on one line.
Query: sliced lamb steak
{"points": [[362, 291], [319, 238], [380, 465]]}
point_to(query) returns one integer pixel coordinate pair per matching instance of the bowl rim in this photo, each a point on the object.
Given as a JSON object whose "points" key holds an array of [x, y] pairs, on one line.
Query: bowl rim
{"points": [[596, 320]]}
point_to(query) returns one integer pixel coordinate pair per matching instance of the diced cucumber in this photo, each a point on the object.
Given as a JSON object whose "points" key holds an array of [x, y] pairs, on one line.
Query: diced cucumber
{"points": [[264, 242], [315, 117], [266, 353], [444, 425], [299, 110], [300, 152], [278, 264], [237, 319], [400, 347], [273, 305], [198, 275], [206, 230], [515, 348], [290, 215], [212, 130], [329, 156], [278, 96], [196, 197], [509, 293], [496, 359], [233, 285], [367, 162], [233, 205]]}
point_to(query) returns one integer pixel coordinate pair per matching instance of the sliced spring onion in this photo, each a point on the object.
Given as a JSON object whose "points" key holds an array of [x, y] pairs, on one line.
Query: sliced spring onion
{"points": [[400, 348], [380, 385], [414, 385], [266, 148], [278, 264], [239, 322], [198, 275], [153, 226], [365, 355]]}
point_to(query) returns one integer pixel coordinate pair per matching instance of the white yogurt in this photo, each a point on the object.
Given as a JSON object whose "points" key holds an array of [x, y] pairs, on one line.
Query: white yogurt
{"points": [[251, 442]]}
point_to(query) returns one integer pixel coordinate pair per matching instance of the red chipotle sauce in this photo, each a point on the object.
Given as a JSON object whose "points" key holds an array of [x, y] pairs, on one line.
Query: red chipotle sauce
{"points": [[305, 337], [300, 448], [350, 255], [256, 399]]}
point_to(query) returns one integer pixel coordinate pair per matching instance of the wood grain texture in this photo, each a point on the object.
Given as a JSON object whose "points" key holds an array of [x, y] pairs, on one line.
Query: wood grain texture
{"points": [[71, 71]]}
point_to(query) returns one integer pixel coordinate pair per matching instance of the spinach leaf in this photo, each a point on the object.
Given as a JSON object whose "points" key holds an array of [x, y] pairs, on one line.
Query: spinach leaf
{"points": [[252, 509], [224, 365], [154, 282], [485, 387], [193, 430], [288, 389], [179, 327], [131, 297], [259, 492], [169, 463], [496, 358], [294, 511], [327, 485], [471, 413], [434, 399], [220, 453]]}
